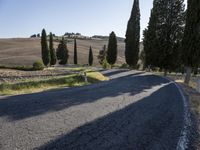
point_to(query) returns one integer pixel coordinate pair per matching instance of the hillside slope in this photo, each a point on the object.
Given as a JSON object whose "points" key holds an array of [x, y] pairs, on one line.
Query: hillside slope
{"points": [[24, 51]]}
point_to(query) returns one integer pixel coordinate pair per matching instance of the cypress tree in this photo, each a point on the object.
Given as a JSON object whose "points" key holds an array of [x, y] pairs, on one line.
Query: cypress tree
{"points": [[90, 59], [52, 50], [172, 19], [162, 39], [75, 53], [112, 49], [191, 40], [150, 41], [62, 52], [45, 50], [133, 36]]}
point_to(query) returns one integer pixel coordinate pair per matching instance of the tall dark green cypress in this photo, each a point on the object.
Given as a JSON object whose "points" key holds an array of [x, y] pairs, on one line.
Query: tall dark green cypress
{"points": [[90, 59], [62, 52], [133, 36], [45, 49], [191, 40], [150, 39], [170, 32], [52, 50], [162, 39], [112, 49], [75, 53]]}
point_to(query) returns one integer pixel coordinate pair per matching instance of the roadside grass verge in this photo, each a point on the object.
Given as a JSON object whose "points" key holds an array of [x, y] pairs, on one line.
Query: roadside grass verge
{"points": [[53, 83], [180, 78], [21, 68], [194, 102]]}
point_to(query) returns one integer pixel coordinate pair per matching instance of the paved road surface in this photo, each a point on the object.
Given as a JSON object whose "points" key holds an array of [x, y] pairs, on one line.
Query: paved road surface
{"points": [[134, 110]]}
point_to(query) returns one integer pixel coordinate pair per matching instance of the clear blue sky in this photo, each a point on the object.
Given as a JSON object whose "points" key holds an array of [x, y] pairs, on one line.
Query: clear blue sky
{"points": [[21, 18]]}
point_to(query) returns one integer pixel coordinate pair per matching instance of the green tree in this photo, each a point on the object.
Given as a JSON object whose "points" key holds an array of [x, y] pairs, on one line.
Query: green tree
{"points": [[75, 53], [90, 59], [133, 36], [112, 49], [102, 55], [52, 50], [45, 50], [191, 40], [150, 41], [62, 52], [162, 39]]}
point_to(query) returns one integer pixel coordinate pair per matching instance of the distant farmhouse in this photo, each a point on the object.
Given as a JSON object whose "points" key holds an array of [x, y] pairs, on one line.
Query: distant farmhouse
{"points": [[75, 35]]}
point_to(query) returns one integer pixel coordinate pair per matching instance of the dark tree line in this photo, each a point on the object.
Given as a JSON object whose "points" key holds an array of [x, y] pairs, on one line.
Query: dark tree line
{"points": [[191, 40], [163, 37], [172, 38]]}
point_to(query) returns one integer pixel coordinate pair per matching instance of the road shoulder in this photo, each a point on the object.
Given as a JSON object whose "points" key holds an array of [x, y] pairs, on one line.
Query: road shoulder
{"points": [[194, 103]]}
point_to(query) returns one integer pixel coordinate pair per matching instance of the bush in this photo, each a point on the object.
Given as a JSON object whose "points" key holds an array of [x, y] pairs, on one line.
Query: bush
{"points": [[124, 66], [38, 65], [106, 65]]}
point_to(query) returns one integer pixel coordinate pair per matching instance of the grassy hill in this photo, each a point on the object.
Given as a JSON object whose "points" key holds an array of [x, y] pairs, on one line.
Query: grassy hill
{"points": [[24, 51]]}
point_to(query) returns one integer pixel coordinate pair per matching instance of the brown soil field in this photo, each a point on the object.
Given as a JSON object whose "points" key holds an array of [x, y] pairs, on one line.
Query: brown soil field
{"points": [[25, 51]]}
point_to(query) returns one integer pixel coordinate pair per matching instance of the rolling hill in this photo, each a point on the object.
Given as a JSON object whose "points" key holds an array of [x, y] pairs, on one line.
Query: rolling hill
{"points": [[25, 51]]}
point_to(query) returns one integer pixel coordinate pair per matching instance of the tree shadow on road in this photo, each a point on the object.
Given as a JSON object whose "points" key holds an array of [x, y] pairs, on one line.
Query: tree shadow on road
{"points": [[30, 105], [149, 124]]}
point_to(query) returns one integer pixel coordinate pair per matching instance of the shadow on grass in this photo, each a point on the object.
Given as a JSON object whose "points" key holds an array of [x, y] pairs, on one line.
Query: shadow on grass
{"points": [[149, 124]]}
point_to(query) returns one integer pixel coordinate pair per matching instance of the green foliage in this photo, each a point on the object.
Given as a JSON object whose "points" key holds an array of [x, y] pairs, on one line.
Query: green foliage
{"points": [[75, 53], [45, 50], [191, 40], [106, 65], [62, 52], [38, 65], [90, 59], [112, 49], [102, 55], [133, 36], [33, 86], [124, 66], [162, 38], [52, 50]]}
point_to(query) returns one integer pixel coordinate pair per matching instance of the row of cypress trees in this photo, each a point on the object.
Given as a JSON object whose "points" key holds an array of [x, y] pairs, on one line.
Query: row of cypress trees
{"points": [[48, 52], [50, 56], [163, 37], [172, 39]]}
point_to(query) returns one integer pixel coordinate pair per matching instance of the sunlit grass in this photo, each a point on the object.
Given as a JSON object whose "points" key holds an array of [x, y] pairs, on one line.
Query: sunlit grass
{"points": [[56, 82]]}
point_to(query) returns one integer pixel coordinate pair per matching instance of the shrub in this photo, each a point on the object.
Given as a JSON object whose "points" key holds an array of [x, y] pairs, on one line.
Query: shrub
{"points": [[106, 65], [38, 65], [124, 66]]}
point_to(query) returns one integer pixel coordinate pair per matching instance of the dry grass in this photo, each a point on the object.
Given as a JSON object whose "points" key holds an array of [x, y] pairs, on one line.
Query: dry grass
{"points": [[23, 52], [33, 86]]}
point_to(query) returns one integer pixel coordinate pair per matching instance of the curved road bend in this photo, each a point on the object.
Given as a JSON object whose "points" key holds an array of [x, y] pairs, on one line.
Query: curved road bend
{"points": [[134, 110]]}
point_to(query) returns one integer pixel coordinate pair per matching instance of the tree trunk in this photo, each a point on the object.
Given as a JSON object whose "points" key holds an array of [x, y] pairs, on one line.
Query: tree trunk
{"points": [[165, 72], [188, 75], [198, 85]]}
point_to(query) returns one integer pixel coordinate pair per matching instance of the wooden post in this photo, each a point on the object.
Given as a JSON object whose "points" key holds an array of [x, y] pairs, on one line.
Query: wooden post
{"points": [[85, 77]]}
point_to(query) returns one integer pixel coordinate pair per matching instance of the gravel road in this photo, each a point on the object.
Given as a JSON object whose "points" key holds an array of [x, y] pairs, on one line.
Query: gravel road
{"points": [[134, 110]]}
